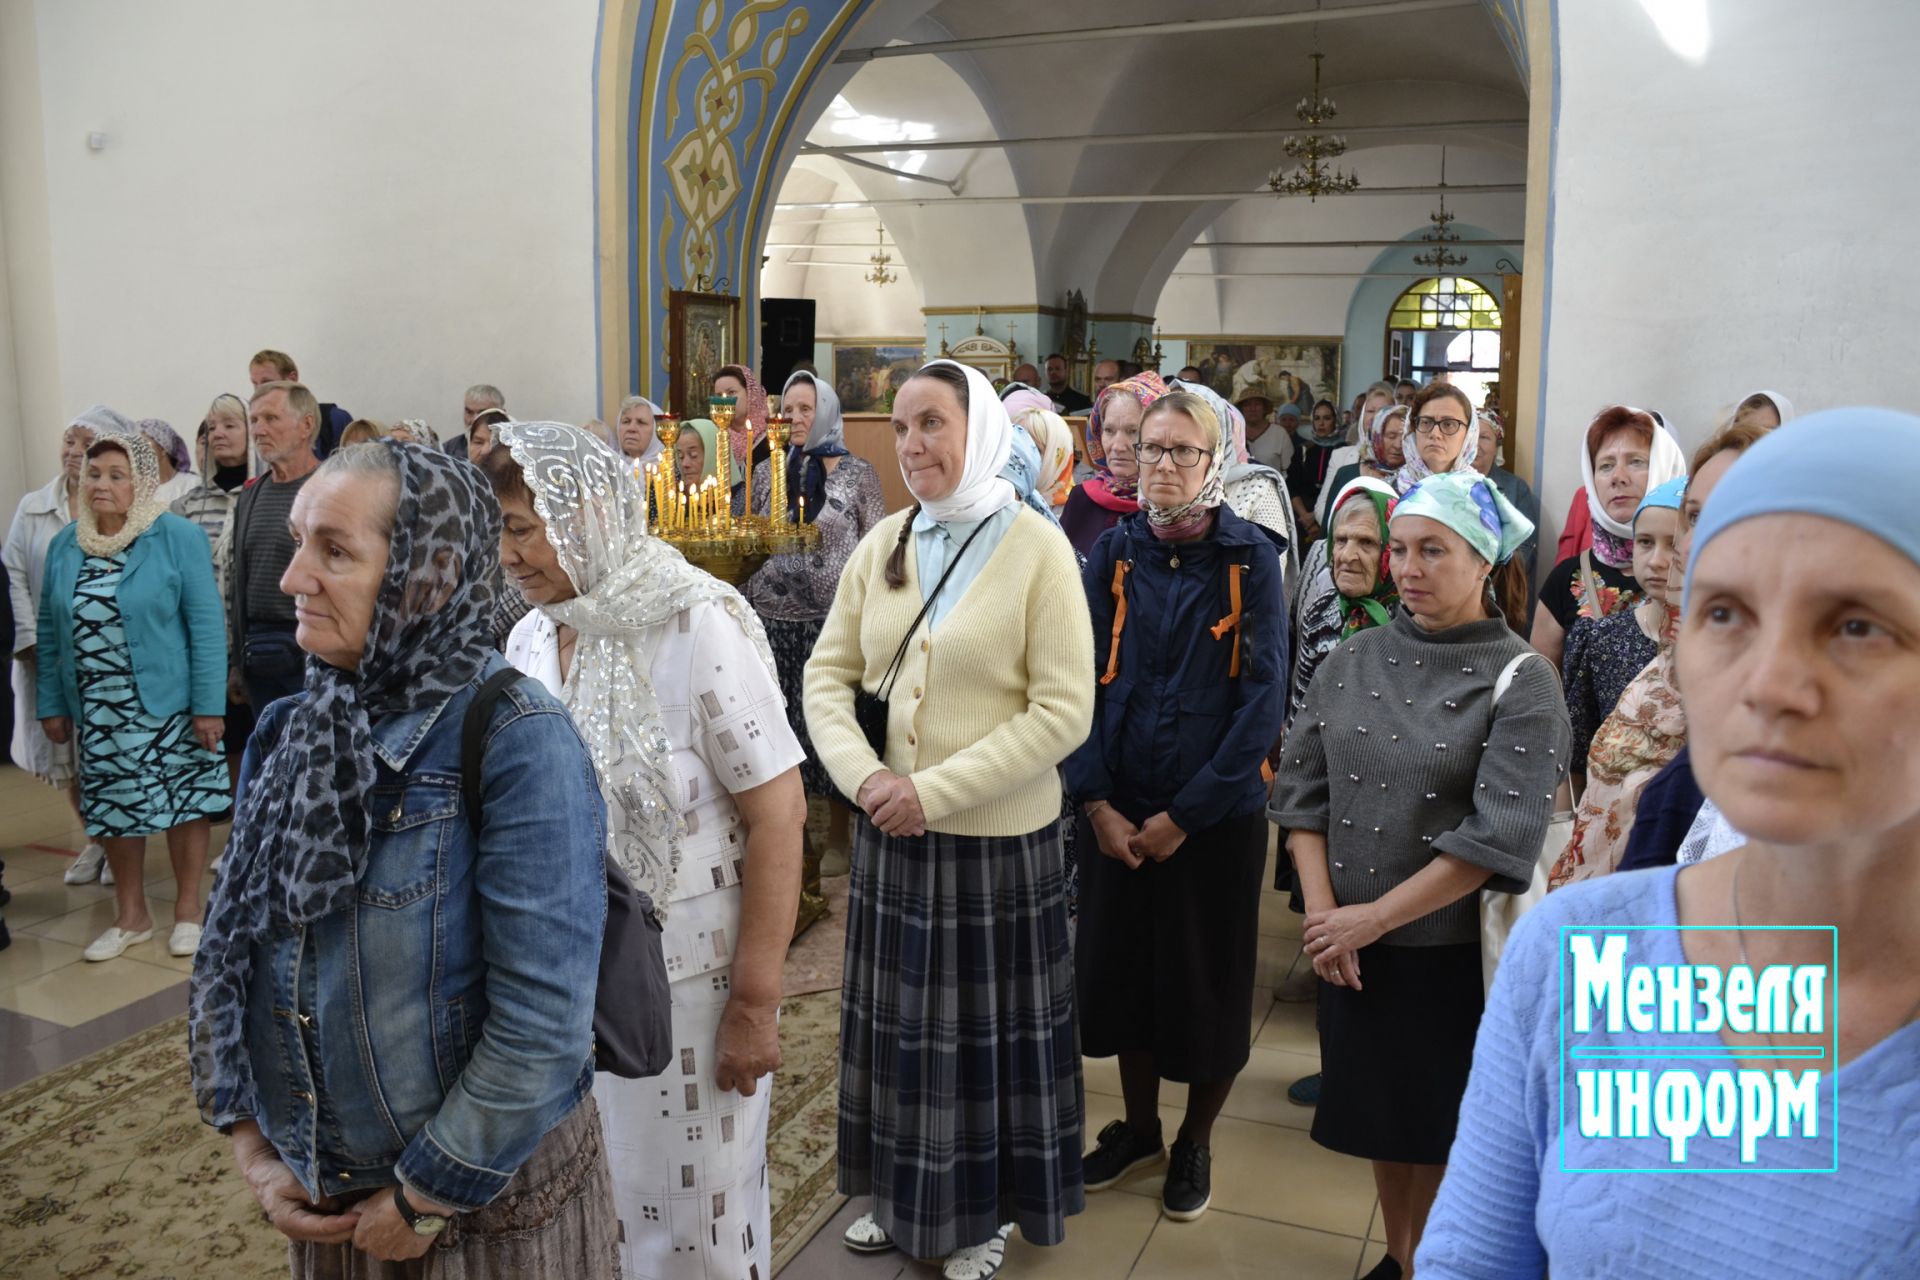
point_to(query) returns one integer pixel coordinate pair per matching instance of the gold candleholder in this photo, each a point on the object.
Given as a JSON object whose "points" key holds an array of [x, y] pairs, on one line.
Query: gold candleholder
{"points": [[779, 431]]}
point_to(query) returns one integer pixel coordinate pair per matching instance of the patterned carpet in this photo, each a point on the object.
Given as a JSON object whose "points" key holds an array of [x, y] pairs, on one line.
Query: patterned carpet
{"points": [[106, 1170]]}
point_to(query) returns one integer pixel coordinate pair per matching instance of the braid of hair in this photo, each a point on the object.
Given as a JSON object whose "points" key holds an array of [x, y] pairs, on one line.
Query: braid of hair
{"points": [[897, 562]]}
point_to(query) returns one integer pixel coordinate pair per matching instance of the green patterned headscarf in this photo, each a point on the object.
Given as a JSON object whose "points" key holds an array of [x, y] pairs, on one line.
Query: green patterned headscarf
{"points": [[1466, 503], [1375, 609]]}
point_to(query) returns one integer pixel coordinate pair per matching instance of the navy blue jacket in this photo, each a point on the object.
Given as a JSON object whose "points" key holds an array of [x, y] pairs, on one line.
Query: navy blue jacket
{"points": [[1173, 731], [1669, 803]]}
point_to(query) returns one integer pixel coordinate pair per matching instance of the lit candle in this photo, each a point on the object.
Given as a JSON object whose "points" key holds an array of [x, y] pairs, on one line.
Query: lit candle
{"points": [[803, 508]]}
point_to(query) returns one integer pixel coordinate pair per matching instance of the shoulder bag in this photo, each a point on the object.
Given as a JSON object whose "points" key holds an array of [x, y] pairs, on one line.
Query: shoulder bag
{"points": [[870, 709], [632, 1020]]}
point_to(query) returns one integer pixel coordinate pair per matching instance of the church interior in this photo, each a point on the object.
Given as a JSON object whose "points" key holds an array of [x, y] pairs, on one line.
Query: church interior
{"points": [[1554, 205]]}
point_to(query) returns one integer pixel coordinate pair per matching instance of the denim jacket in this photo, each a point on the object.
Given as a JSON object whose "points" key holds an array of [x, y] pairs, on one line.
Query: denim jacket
{"points": [[433, 1034]]}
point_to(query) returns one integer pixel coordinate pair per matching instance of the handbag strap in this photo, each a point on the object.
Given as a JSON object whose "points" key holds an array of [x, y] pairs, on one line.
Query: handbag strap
{"points": [[885, 688], [1507, 673], [473, 729], [1590, 588]]}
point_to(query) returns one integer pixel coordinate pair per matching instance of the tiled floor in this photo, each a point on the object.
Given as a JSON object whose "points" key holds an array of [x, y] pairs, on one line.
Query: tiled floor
{"points": [[1282, 1207], [54, 1006]]}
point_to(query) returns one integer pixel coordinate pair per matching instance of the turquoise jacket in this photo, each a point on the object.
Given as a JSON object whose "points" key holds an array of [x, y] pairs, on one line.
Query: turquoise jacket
{"points": [[169, 609]]}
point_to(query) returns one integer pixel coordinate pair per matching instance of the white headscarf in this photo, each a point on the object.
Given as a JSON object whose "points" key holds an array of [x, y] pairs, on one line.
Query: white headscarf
{"points": [[1665, 461], [1781, 405], [982, 490], [628, 584], [654, 448]]}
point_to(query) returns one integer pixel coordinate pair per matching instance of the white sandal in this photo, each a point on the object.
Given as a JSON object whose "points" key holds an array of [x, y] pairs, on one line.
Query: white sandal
{"points": [[979, 1261], [865, 1236]]}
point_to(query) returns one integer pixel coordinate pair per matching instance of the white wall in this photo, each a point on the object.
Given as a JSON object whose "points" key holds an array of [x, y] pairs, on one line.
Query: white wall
{"points": [[399, 195], [1732, 223]]}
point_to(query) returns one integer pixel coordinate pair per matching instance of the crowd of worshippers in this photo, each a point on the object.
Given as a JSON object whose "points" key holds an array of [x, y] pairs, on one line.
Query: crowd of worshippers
{"points": [[451, 694]]}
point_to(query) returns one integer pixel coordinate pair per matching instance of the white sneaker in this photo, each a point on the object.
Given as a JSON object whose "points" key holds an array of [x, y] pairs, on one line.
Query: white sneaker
{"points": [[89, 865], [106, 873], [184, 941], [113, 942], [979, 1261]]}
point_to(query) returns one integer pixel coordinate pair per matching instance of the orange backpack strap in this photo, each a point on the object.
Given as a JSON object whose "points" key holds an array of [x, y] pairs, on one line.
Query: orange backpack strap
{"points": [[1120, 570], [1232, 621]]}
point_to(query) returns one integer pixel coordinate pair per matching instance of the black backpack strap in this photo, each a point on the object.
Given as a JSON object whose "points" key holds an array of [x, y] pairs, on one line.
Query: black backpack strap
{"points": [[473, 732]]}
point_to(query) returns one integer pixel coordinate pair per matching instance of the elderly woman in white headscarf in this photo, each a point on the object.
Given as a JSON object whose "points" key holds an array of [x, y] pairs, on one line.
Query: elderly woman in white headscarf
{"points": [[633, 434], [947, 686], [667, 672]]}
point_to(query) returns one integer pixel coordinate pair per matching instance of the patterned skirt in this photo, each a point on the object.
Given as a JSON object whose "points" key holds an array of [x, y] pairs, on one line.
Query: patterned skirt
{"points": [[792, 644], [140, 774], [961, 1102], [554, 1221]]}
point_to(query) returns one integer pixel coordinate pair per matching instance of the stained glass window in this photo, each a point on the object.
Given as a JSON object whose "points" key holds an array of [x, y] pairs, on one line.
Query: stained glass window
{"points": [[1445, 302]]}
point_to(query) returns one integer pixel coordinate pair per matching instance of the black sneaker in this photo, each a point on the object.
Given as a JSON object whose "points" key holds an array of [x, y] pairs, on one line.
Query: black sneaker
{"points": [[1119, 1152], [1189, 1188]]}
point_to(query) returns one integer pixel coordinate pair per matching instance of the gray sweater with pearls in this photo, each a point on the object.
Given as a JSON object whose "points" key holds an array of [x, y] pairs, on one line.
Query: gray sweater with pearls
{"points": [[1400, 754]]}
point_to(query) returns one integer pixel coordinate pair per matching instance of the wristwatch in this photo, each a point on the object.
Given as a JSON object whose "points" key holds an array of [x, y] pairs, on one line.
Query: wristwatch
{"points": [[423, 1224]]}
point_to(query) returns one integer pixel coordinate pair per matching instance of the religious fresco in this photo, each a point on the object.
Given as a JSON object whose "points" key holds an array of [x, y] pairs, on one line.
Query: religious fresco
{"points": [[865, 377], [1294, 371]]}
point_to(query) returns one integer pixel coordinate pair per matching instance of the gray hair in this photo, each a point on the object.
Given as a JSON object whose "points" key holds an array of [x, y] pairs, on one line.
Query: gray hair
{"points": [[369, 459], [480, 391]]}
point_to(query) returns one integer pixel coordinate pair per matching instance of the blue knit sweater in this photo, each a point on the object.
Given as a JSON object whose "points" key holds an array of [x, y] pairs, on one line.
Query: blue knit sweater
{"points": [[1506, 1208]]}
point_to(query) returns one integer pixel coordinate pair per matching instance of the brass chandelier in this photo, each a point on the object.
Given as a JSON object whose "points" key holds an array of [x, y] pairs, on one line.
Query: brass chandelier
{"points": [[1316, 175], [1440, 258], [880, 275]]}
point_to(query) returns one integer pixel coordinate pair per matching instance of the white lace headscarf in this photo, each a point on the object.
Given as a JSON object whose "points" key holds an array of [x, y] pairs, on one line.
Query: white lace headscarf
{"points": [[145, 464], [629, 584]]}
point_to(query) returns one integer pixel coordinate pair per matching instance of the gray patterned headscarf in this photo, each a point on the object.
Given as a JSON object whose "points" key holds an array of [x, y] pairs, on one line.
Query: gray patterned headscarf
{"points": [[628, 584], [301, 831], [167, 441]]}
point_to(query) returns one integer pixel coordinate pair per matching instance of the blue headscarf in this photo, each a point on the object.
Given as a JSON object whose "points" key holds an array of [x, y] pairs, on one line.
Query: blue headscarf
{"points": [[1668, 495], [1811, 466], [1466, 503]]}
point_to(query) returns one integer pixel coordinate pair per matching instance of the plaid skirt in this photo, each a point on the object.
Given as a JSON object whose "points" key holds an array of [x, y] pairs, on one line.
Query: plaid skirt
{"points": [[961, 1103]]}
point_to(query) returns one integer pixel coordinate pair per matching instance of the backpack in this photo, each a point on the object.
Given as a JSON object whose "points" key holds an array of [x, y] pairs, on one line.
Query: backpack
{"points": [[632, 1016]]}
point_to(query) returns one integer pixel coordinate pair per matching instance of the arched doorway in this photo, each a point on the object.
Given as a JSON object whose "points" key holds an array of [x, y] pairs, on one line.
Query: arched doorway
{"points": [[1450, 325]]}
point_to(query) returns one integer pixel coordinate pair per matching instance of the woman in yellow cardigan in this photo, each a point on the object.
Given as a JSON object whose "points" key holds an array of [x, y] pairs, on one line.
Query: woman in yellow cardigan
{"points": [[961, 1105]]}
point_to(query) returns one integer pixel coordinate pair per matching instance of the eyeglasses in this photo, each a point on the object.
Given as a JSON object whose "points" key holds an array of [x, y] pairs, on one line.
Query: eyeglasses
{"points": [[1184, 455], [1445, 426]]}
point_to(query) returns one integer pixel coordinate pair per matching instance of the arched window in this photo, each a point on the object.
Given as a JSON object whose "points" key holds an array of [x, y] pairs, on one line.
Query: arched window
{"points": [[1445, 302], [1446, 324]]}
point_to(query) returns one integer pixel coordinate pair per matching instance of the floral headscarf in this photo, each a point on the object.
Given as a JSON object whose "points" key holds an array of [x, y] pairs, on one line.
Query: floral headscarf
{"points": [[1049, 433], [1191, 516], [145, 464], [1117, 495], [302, 829], [1470, 505], [1376, 608], [749, 414], [629, 583]]}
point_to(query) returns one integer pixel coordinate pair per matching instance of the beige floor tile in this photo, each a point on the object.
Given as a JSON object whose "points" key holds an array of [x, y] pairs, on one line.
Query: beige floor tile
{"points": [[1290, 1027], [25, 864], [29, 957], [1377, 1228], [78, 928], [1261, 1091], [1102, 1075], [1370, 1256], [78, 993], [1230, 1247], [1277, 919], [47, 898], [1262, 1006], [1103, 1241], [1262, 1171]]}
